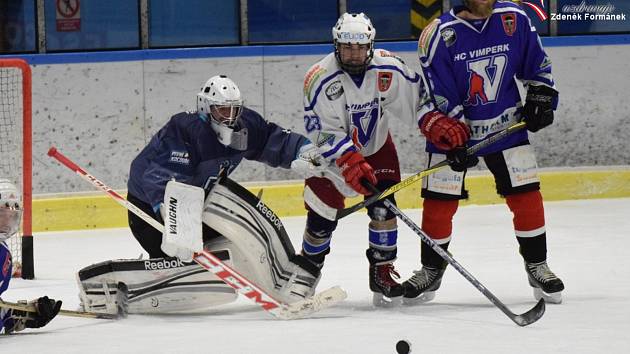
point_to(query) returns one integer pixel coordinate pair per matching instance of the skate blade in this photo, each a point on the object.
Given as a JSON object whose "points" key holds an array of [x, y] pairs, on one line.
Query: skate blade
{"points": [[380, 300], [420, 299], [551, 298]]}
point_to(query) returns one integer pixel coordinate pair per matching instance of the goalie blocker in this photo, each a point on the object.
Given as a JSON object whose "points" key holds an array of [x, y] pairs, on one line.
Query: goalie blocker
{"points": [[249, 237]]}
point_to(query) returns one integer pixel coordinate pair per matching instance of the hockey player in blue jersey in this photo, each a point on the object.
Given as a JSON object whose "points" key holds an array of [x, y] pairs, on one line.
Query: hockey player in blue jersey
{"points": [[10, 216], [472, 57]]}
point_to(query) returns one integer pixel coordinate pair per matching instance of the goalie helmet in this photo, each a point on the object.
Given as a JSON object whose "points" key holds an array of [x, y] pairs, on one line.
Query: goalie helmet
{"points": [[10, 209], [354, 29], [220, 103]]}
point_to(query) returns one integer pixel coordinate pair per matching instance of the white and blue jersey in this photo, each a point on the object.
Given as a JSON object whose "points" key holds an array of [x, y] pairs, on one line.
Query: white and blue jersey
{"points": [[472, 67], [5, 279], [344, 113], [187, 149]]}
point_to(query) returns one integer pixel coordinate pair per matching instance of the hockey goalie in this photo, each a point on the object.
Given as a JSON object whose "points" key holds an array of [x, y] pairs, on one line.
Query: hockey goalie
{"points": [[245, 234]]}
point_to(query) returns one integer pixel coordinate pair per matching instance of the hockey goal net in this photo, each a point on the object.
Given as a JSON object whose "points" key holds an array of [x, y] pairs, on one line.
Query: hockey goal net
{"points": [[15, 153]]}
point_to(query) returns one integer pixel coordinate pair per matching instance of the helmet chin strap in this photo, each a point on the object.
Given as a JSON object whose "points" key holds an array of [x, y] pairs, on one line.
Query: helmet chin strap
{"points": [[227, 136]]}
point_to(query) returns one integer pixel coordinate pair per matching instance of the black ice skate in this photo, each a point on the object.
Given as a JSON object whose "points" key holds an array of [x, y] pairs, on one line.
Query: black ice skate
{"points": [[545, 283], [422, 285], [386, 291]]}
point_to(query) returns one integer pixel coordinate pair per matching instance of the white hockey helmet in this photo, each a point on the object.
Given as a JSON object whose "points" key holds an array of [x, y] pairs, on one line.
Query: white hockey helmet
{"points": [[220, 102], [352, 28], [10, 209]]}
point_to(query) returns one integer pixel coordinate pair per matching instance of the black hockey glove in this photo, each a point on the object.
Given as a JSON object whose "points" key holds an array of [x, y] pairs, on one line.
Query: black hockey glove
{"points": [[538, 110], [47, 309], [459, 160]]}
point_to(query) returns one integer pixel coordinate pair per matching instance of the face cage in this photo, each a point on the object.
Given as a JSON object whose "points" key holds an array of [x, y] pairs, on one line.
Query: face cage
{"points": [[354, 69], [10, 218], [219, 113]]}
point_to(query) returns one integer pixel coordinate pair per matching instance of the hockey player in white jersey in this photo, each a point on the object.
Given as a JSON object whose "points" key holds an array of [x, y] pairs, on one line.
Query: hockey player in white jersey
{"points": [[349, 97]]}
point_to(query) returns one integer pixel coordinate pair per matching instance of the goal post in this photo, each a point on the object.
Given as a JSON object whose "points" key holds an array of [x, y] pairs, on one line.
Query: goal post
{"points": [[16, 153]]}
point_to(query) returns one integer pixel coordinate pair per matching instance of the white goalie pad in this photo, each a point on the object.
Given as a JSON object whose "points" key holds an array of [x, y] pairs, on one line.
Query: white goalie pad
{"points": [[183, 204], [262, 251], [153, 286]]}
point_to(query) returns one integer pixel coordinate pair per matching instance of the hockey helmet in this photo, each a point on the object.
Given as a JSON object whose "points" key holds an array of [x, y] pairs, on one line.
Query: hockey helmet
{"points": [[10, 209], [352, 28], [220, 103]]}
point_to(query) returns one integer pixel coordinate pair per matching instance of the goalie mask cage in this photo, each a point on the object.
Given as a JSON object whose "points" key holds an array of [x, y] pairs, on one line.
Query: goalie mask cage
{"points": [[15, 154]]}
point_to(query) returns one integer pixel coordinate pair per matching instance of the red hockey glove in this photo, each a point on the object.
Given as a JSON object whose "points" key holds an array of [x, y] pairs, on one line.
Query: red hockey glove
{"points": [[354, 168], [444, 132]]}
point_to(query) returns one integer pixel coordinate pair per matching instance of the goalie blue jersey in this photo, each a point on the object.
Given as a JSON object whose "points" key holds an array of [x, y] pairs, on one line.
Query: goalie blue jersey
{"points": [[187, 149], [5, 277], [471, 67]]}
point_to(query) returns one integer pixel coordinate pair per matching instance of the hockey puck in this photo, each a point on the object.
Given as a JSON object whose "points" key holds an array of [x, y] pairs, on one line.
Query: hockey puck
{"points": [[403, 347]]}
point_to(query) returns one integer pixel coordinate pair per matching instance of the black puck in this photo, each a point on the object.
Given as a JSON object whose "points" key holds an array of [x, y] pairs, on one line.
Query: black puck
{"points": [[403, 347]]}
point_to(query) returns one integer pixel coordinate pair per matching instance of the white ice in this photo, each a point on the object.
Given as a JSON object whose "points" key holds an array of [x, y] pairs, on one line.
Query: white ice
{"points": [[588, 245]]}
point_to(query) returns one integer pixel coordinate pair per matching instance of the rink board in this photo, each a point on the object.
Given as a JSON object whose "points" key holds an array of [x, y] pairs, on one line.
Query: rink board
{"points": [[99, 211]]}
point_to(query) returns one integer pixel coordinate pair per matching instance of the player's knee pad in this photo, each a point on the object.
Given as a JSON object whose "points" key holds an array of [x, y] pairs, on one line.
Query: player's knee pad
{"points": [[261, 247], [383, 237], [317, 235], [153, 286], [529, 213], [437, 218]]}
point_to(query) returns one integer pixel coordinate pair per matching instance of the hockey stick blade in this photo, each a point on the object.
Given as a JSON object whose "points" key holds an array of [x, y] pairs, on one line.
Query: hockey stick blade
{"points": [[525, 319], [316, 303], [531, 316], [31, 308], [341, 213]]}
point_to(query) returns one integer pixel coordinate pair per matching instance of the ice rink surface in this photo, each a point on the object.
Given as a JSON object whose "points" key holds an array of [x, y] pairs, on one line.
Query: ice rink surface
{"points": [[588, 244]]}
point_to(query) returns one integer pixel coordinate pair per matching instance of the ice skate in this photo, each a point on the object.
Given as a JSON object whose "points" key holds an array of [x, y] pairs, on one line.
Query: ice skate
{"points": [[422, 285], [386, 291], [545, 283]]}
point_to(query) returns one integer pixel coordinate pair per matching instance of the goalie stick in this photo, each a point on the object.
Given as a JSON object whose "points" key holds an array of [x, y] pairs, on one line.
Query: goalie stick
{"points": [[529, 317], [341, 213], [31, 308], [213, 264]]}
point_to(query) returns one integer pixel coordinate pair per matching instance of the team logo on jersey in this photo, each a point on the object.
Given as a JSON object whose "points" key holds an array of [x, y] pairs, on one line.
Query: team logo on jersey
{"points": [[6, 266], [325, 138], [384, 80], [509, 23], [449, 36], [180, 157], [545, 63], [484, 81], [425, 37], [334, 90], [364, 118], [311, 78]]}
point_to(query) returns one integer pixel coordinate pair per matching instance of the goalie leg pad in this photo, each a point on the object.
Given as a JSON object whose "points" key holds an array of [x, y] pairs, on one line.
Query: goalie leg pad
{"points": [[262, 249], [154, 286]]}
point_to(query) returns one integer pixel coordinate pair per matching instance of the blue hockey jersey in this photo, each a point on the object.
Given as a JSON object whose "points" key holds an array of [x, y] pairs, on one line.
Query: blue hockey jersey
{"points": [[5, 278], [187, 149], [472, 67]]}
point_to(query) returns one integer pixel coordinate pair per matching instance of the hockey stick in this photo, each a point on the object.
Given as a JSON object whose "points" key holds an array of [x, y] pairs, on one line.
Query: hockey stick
{"points": [[31, 308], [341, 213], [524, 319], [213, 264]]}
